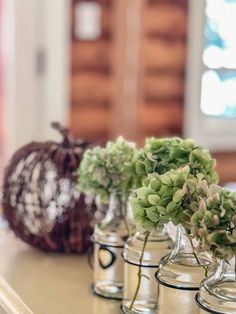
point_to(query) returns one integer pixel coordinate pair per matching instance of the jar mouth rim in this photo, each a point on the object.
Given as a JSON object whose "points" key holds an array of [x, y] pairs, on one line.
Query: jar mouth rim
{"points": [[215, 287], [185, 257], [183, 286], [144, 263], [201, 306]]}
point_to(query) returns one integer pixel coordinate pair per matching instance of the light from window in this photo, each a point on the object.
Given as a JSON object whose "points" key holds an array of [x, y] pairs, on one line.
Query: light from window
{"points": [[218, 97], [88, 20]]}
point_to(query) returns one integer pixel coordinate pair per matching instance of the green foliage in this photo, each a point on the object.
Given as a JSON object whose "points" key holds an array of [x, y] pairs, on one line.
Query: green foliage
{"points": [[161, 155], [172, 196], [103, 170], [214, 223]]}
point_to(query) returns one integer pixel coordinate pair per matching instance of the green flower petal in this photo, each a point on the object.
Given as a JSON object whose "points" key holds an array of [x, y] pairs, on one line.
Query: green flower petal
{"points": [[153, 199], [178, 196]]}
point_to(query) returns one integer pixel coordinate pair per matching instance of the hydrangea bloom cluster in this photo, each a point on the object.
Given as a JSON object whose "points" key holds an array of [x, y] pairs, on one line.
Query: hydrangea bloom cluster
{"points": [[214, 223], [103, 170], [161, 155], [173, 196]]}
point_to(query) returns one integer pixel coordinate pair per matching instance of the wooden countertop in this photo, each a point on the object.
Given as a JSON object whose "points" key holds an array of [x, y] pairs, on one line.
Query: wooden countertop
{"points": [[50, 283]]}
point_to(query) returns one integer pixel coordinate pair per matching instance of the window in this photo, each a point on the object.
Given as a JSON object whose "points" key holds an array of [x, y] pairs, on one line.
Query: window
{"points": [[218, 92], [211, 74]]}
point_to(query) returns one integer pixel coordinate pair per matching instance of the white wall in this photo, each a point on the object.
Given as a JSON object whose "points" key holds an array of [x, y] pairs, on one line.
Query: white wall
{"points": [[35, 98]]}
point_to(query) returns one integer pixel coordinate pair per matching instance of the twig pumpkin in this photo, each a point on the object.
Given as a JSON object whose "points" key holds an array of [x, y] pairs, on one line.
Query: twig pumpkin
{"points": [[40, 198]]}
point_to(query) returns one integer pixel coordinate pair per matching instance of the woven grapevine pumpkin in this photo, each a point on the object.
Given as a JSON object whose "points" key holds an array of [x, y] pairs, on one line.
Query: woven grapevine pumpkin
{"points": [[40, 198]]}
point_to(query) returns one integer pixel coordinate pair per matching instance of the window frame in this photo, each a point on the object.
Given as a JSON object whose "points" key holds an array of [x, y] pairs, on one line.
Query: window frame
{"points": [[218, 134]]}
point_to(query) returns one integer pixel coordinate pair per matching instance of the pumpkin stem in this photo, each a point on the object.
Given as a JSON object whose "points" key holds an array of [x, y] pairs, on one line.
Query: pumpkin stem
{"points": [[64, 132]]}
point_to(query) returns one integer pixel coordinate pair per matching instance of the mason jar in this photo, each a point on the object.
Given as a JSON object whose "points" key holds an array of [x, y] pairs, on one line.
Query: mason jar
{"points": [[109, 238], [179, 276], [217, 293], [142, 253]]}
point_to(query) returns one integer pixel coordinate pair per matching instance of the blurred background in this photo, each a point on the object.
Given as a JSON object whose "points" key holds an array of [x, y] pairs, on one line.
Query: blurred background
{"points": [[104, 68]]}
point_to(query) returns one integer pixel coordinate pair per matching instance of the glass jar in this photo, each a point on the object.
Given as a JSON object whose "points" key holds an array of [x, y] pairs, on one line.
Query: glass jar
{"points": [[217, 293], [142, 253], [179, 276], [109, 238]]}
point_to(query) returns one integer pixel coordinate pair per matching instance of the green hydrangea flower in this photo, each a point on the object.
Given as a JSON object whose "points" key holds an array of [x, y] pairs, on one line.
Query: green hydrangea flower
{"points": [[161, 155], [214, 223], [103, 170], [172, 196]]}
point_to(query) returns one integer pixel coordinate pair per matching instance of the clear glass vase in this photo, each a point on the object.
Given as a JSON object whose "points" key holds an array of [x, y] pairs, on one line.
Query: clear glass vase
{"points": [[217, 293], [179, 276], [142, 253], [109, 238]]}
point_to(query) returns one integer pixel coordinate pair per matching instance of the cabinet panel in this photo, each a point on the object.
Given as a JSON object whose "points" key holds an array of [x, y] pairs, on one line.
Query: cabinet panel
{"points": [[162, 86], [165, 20], [92, 123], [91, 56], [90, 87], [164, 54], [161, 118]]}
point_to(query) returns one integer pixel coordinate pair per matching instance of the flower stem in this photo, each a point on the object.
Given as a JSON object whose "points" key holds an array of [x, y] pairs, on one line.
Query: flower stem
{"points": [[127, 226], [197, 259], [139, 271], [124, 213]]}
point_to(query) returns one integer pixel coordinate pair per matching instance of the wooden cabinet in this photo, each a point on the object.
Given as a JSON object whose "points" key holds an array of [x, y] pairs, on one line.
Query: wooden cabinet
{"points": [[130, 80]]}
